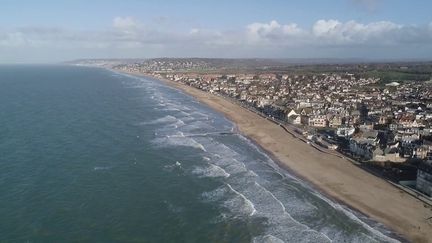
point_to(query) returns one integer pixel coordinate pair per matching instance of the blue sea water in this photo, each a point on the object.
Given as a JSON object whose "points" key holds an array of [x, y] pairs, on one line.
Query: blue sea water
{"points": [[91, 155]]}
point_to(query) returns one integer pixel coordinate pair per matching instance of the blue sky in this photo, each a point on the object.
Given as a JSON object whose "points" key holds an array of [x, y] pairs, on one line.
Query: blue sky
{"points": [[52, 31]]}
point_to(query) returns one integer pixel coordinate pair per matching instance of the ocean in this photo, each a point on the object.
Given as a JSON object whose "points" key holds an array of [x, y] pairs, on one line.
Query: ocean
{"points": [[91, 155]]}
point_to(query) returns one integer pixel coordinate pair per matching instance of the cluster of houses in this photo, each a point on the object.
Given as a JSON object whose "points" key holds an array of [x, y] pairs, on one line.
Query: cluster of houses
{"points": [[384, 124], [167, 65]]}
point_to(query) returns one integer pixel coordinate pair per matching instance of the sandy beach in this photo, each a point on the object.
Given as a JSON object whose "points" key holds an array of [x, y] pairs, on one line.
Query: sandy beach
{"points": [[335, 177]]}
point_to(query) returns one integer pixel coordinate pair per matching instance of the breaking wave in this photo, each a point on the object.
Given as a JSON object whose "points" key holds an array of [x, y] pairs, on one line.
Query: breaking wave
{"points": [[210, 171]]}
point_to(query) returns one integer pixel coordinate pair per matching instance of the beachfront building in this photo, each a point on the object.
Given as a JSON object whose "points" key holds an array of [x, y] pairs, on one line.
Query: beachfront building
{"points": [[293, 112], [424, 151], [318, 121], [335, 121], [364, 144], [424, 178], [345, 131], [390, 154], [295, 119]]}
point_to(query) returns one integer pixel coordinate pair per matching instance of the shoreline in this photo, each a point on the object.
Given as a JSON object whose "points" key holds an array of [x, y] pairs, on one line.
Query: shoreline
{"points": [[335, 178]]}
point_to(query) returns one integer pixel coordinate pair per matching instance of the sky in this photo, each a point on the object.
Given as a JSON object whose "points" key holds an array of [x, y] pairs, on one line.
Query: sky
{"points": [[47, 31]]}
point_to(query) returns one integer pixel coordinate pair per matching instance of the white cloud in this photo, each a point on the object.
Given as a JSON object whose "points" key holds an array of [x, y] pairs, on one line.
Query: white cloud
{"points": [[269, 31], [256, 39], [13, 39], [194, 31], [127, 31], [333, 33], [325, 27], [125, 23], [351, 32]]}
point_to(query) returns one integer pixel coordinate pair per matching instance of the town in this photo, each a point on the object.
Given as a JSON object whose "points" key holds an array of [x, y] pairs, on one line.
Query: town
{"points": [[384, 127]]}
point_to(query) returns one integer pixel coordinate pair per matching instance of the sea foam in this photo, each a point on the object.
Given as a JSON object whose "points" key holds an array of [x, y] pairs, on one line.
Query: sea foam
{"points": [[210, 171]]}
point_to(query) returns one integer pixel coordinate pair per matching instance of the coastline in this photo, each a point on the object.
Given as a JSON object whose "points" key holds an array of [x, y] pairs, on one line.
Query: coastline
{"points": [[335, 177]]}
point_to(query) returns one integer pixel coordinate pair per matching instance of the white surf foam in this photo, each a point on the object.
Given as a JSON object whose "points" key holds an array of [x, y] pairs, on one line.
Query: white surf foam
{"points": [[197, 125], [171, 167], [177, 124], [267, 239], [248, 206], [352, 216], [273, 212], [165, 119], [177, 140], [310, 207], [199, 115], [217, 194], [210, 171], [102, 168]]}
